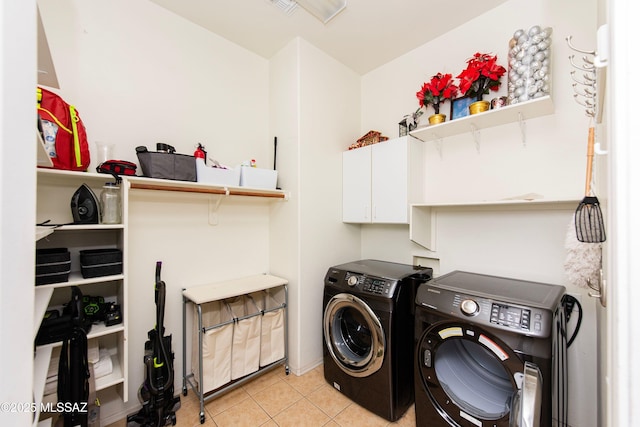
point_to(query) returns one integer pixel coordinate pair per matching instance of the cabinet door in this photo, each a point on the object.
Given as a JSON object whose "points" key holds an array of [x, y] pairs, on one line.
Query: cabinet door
{"points": [[389, 181], [356, 185]]}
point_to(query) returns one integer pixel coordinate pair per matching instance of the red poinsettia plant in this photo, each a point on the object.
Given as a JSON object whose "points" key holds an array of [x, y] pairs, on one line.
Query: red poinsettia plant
{"points": [[439, 88], [481, 75]]}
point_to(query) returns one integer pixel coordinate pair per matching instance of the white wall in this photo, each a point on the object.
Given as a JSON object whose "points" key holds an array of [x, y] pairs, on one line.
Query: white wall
{"points": [[329, 102], [528, 245], [315, 114]]}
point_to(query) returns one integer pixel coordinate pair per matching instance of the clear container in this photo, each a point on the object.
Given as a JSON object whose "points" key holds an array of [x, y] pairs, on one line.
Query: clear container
{"points": [[104, 152], [110, 204], [529, 64]]}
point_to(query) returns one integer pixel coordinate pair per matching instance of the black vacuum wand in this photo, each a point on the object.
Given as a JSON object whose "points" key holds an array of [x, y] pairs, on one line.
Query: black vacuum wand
{"points": [[159, 405]]}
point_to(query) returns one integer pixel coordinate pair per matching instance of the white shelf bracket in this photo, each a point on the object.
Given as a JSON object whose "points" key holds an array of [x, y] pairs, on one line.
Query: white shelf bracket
{"points": [[476, 136], [214, 204], [523, 129]]}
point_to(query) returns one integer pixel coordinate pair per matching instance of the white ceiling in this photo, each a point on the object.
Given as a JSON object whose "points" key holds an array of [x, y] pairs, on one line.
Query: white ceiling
{"points": [[367, 34]]}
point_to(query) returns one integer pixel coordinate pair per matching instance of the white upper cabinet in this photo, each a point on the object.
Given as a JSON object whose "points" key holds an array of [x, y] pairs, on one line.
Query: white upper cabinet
{"points": [[380, 181]]}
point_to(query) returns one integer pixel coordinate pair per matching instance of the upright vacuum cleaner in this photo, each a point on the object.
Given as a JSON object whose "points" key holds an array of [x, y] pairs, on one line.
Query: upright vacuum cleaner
{"points": [[159, 405]]}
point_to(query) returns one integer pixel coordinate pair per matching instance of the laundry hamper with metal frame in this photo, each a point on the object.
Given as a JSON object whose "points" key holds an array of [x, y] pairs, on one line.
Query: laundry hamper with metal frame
{"points": [[271, 303], [245, 350], [217, 340]]}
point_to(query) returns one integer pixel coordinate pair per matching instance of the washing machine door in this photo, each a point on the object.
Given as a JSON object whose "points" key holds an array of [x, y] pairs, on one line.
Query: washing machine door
{"points": [[526, 403], [353, 335], [473, 378]]}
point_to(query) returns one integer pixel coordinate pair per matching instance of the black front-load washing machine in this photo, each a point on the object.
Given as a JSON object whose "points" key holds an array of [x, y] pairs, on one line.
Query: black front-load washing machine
{"points": [[368, 333], [490, 351]]}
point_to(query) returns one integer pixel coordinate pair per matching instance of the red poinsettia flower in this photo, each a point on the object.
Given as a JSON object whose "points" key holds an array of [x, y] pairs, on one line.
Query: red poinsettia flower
{"points": [[481, 75], [439, 88]]}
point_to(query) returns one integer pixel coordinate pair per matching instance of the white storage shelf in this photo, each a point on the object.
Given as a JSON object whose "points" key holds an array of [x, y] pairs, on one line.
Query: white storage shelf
{"points": [[422, 226], [54, 192], [140, 183], [510, 114], [210, 385]]}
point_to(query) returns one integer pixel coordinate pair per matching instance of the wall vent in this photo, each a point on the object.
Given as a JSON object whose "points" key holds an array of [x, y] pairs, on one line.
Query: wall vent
{"points": [[287, 6]]}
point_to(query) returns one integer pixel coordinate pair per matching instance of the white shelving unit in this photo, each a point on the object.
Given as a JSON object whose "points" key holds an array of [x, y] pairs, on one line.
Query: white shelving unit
{"points": [[54, 192], [423, 217]]}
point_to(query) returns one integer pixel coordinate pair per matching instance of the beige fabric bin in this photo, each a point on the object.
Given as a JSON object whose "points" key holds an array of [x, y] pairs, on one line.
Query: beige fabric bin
{"points": [[272, 328], [245, 351], [216, 346]]}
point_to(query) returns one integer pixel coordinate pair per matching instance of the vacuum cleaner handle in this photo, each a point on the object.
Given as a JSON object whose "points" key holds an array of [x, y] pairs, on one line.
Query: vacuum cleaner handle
{"points": [[158, 280]]}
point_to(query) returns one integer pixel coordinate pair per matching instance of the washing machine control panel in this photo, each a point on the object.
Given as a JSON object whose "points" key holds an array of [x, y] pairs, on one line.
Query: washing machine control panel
{"points": [[530, 321], [373, 285]]}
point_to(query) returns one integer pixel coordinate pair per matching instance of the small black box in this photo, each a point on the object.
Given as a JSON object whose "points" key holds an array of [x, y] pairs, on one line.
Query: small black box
{"points": [[52, 265], [100, 262]]}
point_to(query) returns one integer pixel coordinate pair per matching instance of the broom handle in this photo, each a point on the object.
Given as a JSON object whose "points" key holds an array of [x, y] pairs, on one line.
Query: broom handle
{"points": [[590, 143]]}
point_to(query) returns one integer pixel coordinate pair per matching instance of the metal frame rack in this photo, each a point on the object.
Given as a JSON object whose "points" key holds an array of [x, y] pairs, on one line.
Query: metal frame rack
{"points": [[200, 295]]}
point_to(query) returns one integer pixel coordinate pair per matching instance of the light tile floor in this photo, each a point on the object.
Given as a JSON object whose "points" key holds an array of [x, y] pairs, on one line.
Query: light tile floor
{"points": [[276, 399]]}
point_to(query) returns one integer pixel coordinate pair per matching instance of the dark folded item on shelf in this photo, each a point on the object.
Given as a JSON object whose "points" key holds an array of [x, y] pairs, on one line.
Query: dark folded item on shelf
{"points": [[52, 265], [100, 262]]}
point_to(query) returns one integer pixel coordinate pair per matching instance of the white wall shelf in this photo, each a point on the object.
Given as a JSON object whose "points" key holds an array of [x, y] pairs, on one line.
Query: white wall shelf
{"points": [[473, 123], [422, 224], [140, 183], [143, 183]]}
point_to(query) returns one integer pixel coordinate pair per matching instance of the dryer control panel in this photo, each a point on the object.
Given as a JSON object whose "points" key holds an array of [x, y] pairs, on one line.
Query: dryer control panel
{"points": [[517, 318], [373, 285]]}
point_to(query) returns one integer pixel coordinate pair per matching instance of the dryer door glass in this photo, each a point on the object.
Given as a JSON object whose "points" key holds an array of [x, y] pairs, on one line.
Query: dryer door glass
{"points": [[353, 335], [474, 378]]}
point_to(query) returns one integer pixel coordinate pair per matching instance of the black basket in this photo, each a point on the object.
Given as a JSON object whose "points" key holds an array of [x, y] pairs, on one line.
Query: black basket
{"points": [[52, 265], [179, 167], [100, 262]]}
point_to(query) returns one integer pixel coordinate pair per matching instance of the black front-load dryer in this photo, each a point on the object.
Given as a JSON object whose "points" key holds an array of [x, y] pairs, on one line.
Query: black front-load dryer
{"points": [[368, 333], [489, 352]]}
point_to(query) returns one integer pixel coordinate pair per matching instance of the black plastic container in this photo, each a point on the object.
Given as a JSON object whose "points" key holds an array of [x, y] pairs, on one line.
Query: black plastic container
{"points": [[100, 262], [52, 265], [174, 166]]}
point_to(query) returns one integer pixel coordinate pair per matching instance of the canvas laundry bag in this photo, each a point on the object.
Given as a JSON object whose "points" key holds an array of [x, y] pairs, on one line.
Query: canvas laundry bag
{"points": [[272, 328], [216, 346], [245, 351]]}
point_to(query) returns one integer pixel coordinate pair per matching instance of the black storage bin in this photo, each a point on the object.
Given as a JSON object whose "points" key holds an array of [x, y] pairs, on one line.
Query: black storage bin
{"points": [[179, 167], [100, 262], [52, 265]]}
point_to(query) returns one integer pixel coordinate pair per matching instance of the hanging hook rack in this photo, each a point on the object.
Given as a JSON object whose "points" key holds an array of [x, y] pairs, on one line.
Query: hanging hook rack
{"points": [[584, 92], [587, 89], [573, 47], [588, 67], [587, 80]]}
